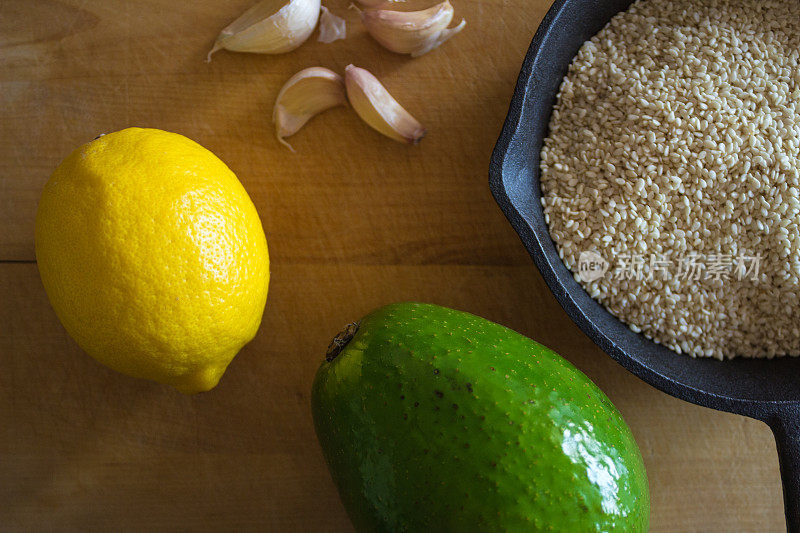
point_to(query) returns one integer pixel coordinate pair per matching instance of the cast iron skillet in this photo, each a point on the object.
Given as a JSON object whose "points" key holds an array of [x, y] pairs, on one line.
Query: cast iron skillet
{"points": [[765, 390]]}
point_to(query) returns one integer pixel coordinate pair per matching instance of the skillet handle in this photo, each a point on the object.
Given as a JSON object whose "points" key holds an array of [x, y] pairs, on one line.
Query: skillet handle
{"points": [[785, 425]]}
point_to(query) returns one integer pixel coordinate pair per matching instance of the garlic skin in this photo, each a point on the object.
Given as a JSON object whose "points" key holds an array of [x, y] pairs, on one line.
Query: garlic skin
{"points": [[331, 27], [270, 27], [306, 94], [411, 32], [373, 103]]}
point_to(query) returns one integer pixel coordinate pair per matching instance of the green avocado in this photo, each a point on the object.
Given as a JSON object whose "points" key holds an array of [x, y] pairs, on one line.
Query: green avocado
{"points": [[432, 419]]}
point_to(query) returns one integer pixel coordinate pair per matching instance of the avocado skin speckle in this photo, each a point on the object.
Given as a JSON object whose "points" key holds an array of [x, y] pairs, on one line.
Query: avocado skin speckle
{"points": [[533, 444]]}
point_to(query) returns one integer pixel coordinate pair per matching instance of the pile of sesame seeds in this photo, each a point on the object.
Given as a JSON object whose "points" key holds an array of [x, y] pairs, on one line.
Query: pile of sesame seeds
{"points": [[674, 156]]}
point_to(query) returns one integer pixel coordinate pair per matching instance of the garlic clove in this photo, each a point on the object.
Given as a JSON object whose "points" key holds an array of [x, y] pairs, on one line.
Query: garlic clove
{"points": [[411, 32], [270, 27], [308, 93], [444, 35], [331, 27], [373, 103]]}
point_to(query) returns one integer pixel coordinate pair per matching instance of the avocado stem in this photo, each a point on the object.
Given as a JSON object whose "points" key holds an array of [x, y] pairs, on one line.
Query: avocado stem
{"points": [[340, 341]]}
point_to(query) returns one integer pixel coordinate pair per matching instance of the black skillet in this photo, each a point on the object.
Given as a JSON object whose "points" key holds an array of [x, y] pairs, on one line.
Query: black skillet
{"points": [[765, 390]]}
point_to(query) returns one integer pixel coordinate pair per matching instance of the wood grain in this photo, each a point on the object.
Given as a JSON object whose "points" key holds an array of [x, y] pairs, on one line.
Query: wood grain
{"points": [[353, 220]]}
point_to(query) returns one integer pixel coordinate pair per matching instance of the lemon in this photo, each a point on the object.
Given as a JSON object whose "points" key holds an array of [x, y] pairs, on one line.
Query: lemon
{"points": [[153, 257]]}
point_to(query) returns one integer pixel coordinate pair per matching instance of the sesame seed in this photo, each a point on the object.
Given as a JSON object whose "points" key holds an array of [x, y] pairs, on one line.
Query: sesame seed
{"points": [[676, 131]]}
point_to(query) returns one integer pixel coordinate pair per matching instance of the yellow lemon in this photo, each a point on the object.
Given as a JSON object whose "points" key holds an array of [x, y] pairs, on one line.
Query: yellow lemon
{"points": [[153, 256]]}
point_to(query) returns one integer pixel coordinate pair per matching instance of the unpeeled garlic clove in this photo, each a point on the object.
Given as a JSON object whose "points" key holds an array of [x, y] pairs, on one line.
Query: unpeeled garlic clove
{"points": [[270, 27], [308, 93], [331, 27], [373, 103], [411, 32]]}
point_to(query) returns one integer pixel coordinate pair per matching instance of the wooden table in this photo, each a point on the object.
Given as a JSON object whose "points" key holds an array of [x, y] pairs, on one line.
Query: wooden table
{"points": [[354, 220]]}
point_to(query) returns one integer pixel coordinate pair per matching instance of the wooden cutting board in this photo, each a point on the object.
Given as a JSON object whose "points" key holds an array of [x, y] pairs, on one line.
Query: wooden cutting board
{"points": [[354, 220]]}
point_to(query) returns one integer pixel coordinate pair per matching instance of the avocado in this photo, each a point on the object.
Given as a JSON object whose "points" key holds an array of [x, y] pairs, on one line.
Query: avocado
{"points": [[432, 419]]}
